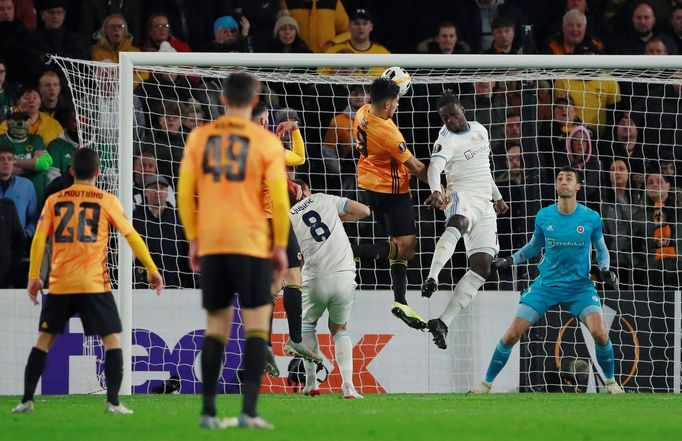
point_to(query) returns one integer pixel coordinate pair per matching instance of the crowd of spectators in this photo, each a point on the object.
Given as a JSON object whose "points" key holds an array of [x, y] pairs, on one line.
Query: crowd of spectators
{"points": [[622, 136]]}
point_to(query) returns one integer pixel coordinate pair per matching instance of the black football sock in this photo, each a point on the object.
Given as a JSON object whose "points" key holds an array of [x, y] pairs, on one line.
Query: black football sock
{"points": [[294, 309], [211, 360], [399, 280], [113, 372], [376, 251], [254, 362], [35, 366]]}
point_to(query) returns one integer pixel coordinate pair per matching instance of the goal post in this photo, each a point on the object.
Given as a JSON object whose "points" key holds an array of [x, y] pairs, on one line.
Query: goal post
{"points": [[431, 74]]}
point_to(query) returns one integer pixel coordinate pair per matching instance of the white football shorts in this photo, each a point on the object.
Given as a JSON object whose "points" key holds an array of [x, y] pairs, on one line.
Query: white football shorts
{"points": [[481, 237], [333, 292]]}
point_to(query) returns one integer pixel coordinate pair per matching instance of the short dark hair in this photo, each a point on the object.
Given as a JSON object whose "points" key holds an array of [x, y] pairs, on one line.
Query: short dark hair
{"points": [[502, 22], [85, 163], [445, 24], [239, 88], [259, 108], [569, 169], [157, 14], [145, 149], [383, 89], [7, 149], [513, 113], [447, 99]]}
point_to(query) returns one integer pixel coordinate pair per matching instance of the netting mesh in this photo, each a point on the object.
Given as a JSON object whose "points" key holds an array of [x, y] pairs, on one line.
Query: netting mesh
{"points": [[620, 128]]}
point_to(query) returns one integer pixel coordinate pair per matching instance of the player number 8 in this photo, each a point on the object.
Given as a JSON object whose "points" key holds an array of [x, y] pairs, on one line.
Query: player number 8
{"points": [[312, 219]]}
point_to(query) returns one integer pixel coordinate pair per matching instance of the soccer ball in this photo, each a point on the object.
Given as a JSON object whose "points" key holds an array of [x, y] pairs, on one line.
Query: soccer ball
{"points": [[402, 78]]}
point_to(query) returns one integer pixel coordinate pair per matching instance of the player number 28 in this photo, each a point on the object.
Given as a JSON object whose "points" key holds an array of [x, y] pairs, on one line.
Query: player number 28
{"points": [[318, 229], [88, 216], [226, 156]]}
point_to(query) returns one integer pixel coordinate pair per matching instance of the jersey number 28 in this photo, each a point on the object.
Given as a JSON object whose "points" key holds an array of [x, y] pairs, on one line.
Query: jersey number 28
{"points": [[88, 216], [318, 229]]}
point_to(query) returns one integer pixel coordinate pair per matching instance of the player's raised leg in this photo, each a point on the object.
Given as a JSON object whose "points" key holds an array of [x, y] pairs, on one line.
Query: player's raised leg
{"points": [[594, 320], [293, 305], [406, 248], [445, 248], [309, 331], [464, 293]]}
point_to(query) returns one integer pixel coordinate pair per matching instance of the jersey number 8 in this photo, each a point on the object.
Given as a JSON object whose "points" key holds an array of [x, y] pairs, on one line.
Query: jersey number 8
{"points": [[312, 219]]}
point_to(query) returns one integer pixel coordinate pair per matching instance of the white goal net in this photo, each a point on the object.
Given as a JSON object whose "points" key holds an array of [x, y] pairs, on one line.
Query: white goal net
{"points": [[620, 127]]}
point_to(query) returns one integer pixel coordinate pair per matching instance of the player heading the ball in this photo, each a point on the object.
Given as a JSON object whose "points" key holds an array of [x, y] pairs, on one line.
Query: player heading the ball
{"points": [[384, 173], [566, 230], [462, 150]]}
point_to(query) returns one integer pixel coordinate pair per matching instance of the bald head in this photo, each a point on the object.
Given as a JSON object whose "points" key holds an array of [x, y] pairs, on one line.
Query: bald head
{"points": [[643, 19]]}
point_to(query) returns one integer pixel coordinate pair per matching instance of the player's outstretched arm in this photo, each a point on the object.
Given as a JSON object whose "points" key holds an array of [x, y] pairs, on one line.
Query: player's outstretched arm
{"points": [[355, 211], [142, 253], [35, 284], [417, 168]]}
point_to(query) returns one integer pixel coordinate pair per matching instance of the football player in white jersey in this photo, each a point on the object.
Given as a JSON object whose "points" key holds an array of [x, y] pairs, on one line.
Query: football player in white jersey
{"points": [[462, 150], [328, 276]]}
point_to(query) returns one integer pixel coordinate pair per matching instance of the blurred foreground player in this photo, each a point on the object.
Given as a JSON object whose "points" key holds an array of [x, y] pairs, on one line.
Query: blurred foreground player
{"points": [[224, 171]]}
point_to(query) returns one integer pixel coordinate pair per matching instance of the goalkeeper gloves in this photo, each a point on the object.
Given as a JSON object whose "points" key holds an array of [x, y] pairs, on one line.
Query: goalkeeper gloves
{"points": [[609, 278], [501, 263]]}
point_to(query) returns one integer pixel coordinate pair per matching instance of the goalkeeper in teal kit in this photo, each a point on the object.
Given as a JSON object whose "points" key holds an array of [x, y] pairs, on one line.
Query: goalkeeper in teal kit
{"points": [[566, 230]]}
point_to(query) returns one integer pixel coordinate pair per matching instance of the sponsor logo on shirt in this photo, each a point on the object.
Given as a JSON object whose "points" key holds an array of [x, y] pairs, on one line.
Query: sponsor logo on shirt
{"points": [[471, 153], [550, 228], [558, 243], [580, 229]]}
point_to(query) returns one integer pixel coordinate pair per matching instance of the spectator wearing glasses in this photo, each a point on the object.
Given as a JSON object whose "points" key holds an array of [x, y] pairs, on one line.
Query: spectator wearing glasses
{"points": [[94, 12], [113, 38], [160, 36]]}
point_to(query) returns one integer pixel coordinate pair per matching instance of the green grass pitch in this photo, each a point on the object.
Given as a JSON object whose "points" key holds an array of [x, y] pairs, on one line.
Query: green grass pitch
{"points": [[378, 417]]}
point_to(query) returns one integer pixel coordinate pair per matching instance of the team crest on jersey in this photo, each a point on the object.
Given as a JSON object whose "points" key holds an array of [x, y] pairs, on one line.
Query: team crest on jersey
{"points": [[437, 148], [402, 147], [29, 148], [580, 229]]}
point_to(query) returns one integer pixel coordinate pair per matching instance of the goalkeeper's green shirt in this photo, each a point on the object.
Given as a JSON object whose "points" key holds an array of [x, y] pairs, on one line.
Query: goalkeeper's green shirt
{"points": [[61, 151]]}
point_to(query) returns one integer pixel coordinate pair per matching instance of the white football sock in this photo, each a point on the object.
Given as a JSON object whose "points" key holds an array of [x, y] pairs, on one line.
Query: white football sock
{"points": [[309, 337], [445, 247], [343, 349], [465, 291]]}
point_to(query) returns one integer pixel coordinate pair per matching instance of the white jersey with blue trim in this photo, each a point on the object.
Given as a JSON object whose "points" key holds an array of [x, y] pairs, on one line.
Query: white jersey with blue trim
{"points": [[467, 156], [323, 241]]}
